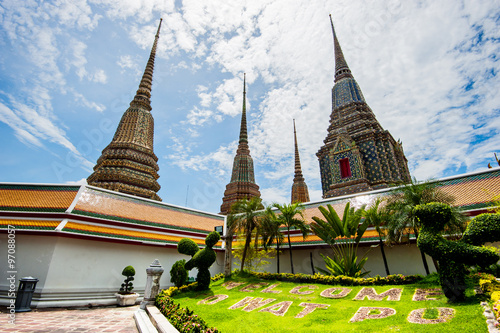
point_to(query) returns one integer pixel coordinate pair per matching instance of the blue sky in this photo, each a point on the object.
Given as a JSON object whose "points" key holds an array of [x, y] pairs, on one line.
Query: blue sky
{"points": [[68, 70]]}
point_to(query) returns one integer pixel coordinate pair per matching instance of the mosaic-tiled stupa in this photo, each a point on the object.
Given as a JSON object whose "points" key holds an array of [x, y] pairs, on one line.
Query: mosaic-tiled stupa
{"points": [[242, 184], [128, 164], [300, 193], [358, 154]]}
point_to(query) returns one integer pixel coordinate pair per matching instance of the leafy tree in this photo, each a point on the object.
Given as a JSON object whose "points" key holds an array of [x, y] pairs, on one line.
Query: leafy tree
{"points": [[343, 236], [287, 217], [271, 233], [377, 216], [403, 221], [245, 219], [256, 257]]}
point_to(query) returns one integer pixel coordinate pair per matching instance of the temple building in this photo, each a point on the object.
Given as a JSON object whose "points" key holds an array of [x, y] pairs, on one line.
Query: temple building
{"points": [[300, 193], [128, 164], [242, 184], [63, 232], [358, 155]]}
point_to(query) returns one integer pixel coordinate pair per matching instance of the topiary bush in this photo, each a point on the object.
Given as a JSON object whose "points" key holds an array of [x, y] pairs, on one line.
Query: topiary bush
{"points": [[127, 285], [179, 274], [486, 228], [453, 256], [201, 259]]}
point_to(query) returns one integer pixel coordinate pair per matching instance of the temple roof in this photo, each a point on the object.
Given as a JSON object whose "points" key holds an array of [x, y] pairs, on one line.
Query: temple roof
{"points": [[473, 192], [90, 212]]}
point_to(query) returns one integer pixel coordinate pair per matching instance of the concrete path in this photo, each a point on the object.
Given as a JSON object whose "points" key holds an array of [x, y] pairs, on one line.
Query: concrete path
{"points": [[101, 319]]}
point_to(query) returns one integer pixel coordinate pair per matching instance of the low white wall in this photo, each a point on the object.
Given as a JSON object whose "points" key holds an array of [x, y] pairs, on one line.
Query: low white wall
{"points": [[401, 259], [78, 272]]}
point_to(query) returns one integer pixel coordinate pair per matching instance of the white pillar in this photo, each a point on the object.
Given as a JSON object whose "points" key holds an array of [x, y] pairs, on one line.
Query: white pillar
{"points": [[152, 283]]}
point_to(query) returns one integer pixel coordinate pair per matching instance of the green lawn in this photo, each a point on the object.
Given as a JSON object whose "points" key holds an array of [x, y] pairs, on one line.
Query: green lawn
{"points": [[331, 314]]}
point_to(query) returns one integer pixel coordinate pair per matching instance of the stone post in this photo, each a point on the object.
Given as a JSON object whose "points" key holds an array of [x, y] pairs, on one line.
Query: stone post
{"points": [[152, 283]]}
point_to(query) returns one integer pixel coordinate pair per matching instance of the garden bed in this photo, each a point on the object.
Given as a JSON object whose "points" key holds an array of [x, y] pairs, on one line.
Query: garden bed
{"points": [[254, 305]]}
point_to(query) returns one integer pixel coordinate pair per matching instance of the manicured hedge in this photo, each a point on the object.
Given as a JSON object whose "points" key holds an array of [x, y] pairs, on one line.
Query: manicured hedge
{"points": [[395, 279]]}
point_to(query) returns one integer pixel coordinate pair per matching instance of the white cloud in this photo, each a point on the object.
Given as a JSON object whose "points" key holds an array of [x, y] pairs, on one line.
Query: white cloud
{"points": [[411, 60], [427, 70]]}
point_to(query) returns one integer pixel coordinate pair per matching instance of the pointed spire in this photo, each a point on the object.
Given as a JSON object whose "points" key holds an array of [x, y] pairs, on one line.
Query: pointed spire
{"points": [[128, 164], [298, 169], [243, 142], [143, 94], [300, 193], [243, 128], [341, 68], [242, 183]]}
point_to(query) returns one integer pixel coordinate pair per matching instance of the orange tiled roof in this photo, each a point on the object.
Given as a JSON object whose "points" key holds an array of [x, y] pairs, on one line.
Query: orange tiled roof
{"points": [[471, 191], [36, 198], [95, 230], [95, 202], [29, 224]]}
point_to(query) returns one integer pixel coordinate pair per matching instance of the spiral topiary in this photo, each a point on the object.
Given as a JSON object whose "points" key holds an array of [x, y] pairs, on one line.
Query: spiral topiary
{"points": [[127, 285], [201, 259], [454, 256]]}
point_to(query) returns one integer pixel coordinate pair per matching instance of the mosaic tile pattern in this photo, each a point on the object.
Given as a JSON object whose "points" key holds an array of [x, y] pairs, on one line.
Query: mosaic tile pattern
{"points": [[380, 160]]}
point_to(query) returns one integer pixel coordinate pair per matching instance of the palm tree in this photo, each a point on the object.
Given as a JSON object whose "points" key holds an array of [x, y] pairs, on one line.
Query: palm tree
{"points": [[377, 216], [271, 233], [228, 237], [403, 221], [345, 260], [246, 215], [288, 219]]}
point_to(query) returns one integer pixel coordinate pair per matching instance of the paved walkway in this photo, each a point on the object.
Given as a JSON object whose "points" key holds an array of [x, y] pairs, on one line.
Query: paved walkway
{"points": [[102, 319]]}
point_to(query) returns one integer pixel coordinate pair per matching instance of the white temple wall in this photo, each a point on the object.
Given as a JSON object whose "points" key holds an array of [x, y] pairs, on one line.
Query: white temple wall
{"points": [[402, 259], [79, 272]]}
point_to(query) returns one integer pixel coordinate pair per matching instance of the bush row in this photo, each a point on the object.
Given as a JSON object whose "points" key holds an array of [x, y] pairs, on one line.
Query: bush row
{"points": [[395, 279], [183, 319]]}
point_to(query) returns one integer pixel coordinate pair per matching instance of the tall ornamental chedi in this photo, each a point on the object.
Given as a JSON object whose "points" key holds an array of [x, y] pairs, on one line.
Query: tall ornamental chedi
{"points": [[300, 193], [128, 164], [358, 154], [242, 184]]}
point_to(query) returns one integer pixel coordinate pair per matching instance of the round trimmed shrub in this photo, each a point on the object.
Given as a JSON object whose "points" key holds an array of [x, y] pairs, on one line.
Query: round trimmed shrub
{"points": [[212, 239], [187, 246], [128, 271], [178, 274], [486, 228]]}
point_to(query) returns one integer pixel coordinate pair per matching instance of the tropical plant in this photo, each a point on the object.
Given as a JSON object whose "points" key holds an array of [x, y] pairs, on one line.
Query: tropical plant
{"points": [[271, 233], [378, 217], [343, 236], [403, 221], [256, 257], [245, 219], [228, 238], [287, 217]]}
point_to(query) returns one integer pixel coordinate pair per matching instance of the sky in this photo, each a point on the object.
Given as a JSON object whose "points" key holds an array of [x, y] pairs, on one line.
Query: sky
{"points": [[69, 69]]}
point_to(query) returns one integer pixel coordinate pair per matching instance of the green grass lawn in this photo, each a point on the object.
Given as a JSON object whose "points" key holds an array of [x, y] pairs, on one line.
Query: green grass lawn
{"points": [[331, 314]]}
